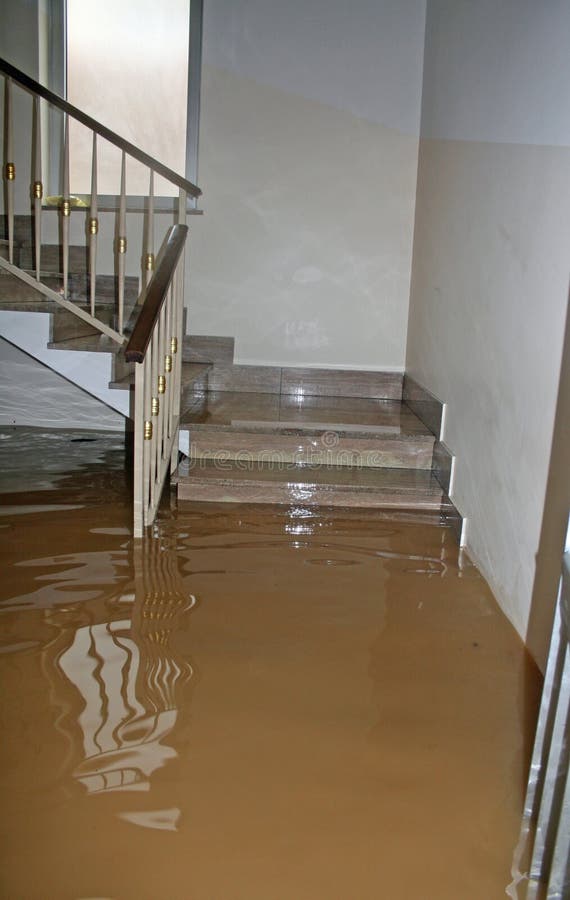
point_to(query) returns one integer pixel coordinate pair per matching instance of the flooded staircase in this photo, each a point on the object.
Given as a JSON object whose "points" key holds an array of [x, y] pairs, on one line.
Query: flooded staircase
{"points": [[261, 434], [311, 437]]}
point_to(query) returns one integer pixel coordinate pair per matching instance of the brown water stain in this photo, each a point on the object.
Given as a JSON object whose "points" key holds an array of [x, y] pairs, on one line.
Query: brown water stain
{"points": [[259, 704]]}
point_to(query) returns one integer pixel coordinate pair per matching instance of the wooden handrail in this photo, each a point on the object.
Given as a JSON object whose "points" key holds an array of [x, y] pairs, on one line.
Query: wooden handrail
{"points": [[156, 294], [35, 88]]}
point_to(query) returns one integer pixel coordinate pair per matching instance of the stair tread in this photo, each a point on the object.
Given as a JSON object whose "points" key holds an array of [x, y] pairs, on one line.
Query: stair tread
{"points": [[92, 343], [223, 411]]}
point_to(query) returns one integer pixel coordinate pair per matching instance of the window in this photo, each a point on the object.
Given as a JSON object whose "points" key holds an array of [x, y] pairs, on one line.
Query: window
{"points": [[135, 67]]}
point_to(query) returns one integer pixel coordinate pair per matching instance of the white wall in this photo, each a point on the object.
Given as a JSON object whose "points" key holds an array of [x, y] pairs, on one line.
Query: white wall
{"points": [[92, 372], [308, 159], [32, 394], [491, 265]]}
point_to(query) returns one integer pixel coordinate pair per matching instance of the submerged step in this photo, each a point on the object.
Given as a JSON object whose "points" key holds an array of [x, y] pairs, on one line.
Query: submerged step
{"points": [[234, 481], [334, 431]]}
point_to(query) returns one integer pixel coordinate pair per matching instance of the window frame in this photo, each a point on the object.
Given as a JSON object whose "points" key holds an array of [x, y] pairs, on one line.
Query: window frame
{"points": [[53, 72]]}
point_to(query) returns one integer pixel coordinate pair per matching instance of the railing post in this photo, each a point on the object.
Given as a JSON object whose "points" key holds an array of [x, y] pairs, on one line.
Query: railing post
{"points": [[177, 336], [122, 242], [93, 229], [139, 451], [37, 191], [149, 254], [65, 206], [9, 166]]}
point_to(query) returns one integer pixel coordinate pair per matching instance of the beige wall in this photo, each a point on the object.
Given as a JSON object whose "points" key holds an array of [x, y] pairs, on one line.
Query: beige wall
{"points": [[491, 268], [308, 159]]}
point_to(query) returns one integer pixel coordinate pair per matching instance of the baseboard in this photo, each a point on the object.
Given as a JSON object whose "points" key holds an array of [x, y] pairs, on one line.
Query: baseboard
{"points": [[430, 410], [207, 348], [423, 404], [442, 465]]}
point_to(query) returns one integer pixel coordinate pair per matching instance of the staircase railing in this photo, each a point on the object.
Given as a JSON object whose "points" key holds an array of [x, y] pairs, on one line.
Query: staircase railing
{"points": [[543, 850], [155, 344], [155, 347], [116, 236]]}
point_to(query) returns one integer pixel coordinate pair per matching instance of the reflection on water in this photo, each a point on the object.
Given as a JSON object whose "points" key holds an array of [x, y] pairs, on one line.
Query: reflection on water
{"points": [[359, 719], [127, 679]]}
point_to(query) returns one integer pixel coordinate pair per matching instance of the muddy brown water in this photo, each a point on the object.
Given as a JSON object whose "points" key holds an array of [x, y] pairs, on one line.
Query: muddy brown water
{"points": [[259, 703]]}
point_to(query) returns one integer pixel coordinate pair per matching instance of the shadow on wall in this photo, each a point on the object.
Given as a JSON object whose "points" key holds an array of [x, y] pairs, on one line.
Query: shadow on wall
{"points": [[554, 519]]}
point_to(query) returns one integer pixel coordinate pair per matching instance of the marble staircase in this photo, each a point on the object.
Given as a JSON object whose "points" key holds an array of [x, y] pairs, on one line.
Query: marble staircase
{"points": [[310, 437], [58, 338], [259, 434]]}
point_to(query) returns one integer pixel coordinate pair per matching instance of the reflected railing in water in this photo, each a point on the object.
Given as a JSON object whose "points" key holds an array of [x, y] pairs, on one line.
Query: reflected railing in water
{"points": [[120, 682]]}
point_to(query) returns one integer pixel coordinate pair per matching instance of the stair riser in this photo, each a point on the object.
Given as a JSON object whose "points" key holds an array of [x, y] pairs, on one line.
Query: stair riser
{"points": [[65, 325], [5, 252], [51, 258], [307, 495], [328, 449]]}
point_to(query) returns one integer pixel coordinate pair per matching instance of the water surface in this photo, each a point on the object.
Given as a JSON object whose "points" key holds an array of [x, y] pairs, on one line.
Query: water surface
{"points": [[258, 703]]}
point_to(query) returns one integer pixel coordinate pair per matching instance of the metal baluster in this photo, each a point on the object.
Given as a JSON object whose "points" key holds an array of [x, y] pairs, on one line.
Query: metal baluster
{"points": [[9, 167], [549, 810], [165, 329], [149, 255], [156, 404], [122, 241], [148, 429], [559, 882], [93, 227], [65, 205], [170, 365], [177, 336], [38, 190], [162, 390], [140, 440], [182, 204]]}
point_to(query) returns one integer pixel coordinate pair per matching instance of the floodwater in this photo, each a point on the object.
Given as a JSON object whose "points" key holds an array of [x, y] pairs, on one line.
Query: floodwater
{"points": [[259, 703]]}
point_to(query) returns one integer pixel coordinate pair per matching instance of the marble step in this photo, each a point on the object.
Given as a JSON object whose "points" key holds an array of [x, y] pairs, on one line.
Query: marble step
{"points": [[262, 482], [333, 431], [51, 257], [16, 294], [88, 343]]}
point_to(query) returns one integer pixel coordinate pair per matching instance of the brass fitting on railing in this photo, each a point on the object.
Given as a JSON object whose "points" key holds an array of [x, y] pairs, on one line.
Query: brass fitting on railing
{"points": [[148, 430], [149, 262], [161, 384], [93, 225], [66, 207], [168, 363], [121, 245], [154, 406], [10, 172], [38, 190], [174, 345]]}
